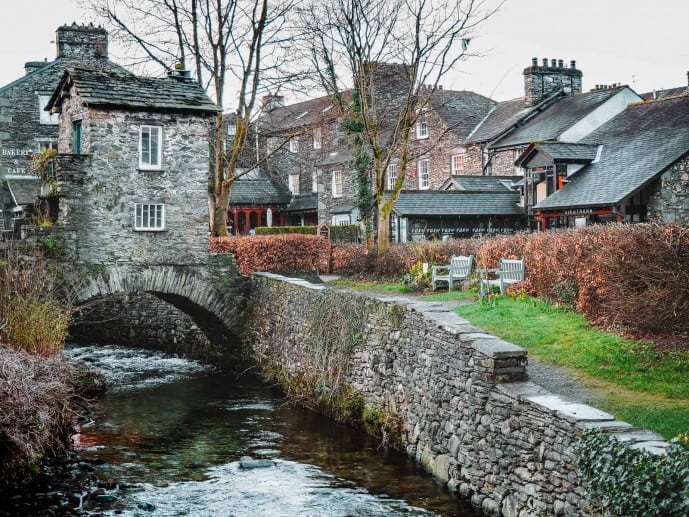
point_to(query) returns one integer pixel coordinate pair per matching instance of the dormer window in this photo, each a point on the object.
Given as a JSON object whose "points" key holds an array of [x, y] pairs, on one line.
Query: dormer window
{"points": [[422, 126], [150, 147]]}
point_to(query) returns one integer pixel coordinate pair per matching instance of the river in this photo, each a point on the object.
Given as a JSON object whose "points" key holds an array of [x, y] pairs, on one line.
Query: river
{"points": [[168, 438]]}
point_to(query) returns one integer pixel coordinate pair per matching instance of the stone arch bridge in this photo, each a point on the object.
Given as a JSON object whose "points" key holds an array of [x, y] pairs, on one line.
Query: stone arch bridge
{"points": [[191, 309]]}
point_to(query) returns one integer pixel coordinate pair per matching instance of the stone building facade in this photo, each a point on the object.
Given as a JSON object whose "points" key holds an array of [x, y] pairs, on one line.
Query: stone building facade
{"points": [[669, 203], [132, 173], [26, 128]]}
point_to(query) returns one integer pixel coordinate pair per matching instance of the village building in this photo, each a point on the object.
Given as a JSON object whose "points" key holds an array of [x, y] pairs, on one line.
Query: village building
{"points": [[634, 168], [131, 182], [26, 127]]}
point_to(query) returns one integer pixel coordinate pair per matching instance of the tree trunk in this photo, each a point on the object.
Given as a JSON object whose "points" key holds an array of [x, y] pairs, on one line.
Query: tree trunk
{"points": [[383, 232], [222, 203]]}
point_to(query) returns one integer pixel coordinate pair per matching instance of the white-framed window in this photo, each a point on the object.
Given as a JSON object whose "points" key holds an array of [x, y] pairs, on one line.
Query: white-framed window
{"points": [[341, 220], [150, 147], [393, 172], [293, 183], [458, 163], [45, 117], [149, 216], [424, 175], [317, 138], [422, 125], [337, 183], [314, 180], [293, 145]]}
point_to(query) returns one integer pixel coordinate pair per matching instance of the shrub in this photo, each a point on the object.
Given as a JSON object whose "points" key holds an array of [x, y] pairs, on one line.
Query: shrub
{"points": [[283, 230], [276, 253], [35, 419], [352, 259], [34, 305], [417, 279], [632, 482]]}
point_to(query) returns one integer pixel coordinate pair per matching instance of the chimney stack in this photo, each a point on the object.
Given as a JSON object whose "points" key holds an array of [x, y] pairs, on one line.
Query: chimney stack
{"points": [[539, 81], [82, 42]]}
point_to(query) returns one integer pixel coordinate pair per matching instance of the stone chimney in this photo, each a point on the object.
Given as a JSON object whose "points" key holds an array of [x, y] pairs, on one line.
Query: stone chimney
{"points": [[82, 42], [32, 66], [270, 102], [539, 81]]}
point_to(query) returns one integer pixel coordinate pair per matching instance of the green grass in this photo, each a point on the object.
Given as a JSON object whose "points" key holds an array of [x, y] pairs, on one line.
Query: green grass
{"points": [[637, 382]]}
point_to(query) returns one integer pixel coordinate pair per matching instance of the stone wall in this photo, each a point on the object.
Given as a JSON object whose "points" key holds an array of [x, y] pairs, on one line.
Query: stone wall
{"points": [[468, 414], [98, 192], [670, 202]]}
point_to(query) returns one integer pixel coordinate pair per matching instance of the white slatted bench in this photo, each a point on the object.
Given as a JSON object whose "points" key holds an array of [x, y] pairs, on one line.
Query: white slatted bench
{"points": [[458, 269]]}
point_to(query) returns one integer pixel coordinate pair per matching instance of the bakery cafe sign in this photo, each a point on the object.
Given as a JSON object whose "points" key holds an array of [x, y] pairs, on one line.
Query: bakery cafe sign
{"points": [[16, 161]]}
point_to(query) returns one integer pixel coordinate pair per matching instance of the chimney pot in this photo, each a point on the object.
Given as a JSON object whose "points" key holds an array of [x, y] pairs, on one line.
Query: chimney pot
{"points": [[560, 63], [545, 61], [534, 62], [553, 63], [573, 64]]}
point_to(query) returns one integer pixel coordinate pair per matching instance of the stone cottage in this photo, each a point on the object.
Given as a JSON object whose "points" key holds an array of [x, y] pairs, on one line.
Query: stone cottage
{"points": [[26, 128], [634, 168], [133, 167]]}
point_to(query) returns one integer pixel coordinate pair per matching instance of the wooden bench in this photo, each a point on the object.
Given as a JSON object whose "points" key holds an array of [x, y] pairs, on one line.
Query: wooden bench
{"points": [[511, 271], [459, 268]]}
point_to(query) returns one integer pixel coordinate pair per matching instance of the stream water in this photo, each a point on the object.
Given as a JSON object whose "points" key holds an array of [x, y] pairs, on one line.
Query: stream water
{"points": [[168, 437]]}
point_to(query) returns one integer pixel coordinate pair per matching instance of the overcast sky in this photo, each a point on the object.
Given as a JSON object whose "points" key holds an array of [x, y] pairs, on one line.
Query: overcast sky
{"points": [[643, 44]]}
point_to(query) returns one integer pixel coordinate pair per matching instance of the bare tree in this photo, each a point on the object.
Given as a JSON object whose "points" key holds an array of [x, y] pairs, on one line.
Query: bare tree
{"points": [[352, 46], [245, 42]]}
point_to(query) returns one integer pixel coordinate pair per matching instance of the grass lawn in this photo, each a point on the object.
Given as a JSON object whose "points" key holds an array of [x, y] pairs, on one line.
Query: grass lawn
{"points": [[639, 384]]}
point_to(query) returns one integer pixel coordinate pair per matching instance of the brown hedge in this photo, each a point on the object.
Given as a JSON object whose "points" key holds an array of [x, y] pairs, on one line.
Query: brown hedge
{"points": [[276, 253]]}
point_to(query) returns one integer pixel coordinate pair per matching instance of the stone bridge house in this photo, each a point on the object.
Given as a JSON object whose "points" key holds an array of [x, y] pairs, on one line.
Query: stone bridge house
{"points": [[130, 198]]}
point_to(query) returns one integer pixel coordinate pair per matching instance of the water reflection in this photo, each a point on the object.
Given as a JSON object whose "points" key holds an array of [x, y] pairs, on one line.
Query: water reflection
{"points": [[176, 444]]}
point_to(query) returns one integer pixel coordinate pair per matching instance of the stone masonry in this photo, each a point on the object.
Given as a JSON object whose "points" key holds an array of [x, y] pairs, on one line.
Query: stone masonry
{"points": [[670, 202], [469, 415]]}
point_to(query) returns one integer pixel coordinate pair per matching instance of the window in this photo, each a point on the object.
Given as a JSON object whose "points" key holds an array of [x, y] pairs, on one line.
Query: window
{"points": [[76, 137], [293, 183], [341, 220], [424, 176], [337, 183], [458, 162], [230, 131], [293, 145], [45, 117], [314, 180], [150, 147], [317, 138], [149, 217], [422, 126], [393, 171]]}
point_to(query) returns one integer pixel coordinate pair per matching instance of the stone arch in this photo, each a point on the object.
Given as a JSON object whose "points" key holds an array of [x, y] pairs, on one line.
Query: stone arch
{"points": [[212, 298]]}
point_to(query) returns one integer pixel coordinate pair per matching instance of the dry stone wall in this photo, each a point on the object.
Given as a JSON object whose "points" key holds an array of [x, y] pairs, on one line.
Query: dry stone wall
{"points": [[468, 413]]}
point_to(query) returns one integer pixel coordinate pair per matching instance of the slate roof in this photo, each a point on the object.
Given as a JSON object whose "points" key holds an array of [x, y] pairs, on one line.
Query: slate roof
{"points": [[478, 183], [665, 93], [457, 202], [502, 116], [308, 203], [24, 191], [550, 123], [560, 152], [461, 111], [126, 90], [638, 145], [256, 188], [299, 115]]}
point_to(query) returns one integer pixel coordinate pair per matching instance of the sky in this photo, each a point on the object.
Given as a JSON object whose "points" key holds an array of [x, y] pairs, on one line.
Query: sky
{"points": [[642, 44]]}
